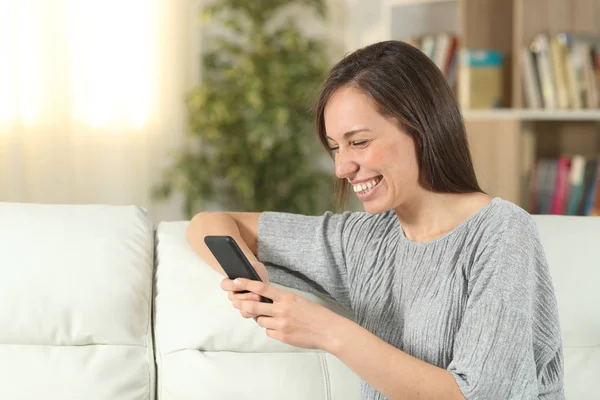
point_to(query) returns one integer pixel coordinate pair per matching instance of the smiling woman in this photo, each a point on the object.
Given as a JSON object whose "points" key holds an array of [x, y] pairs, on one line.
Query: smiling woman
{"points": [[91, 97], [433, 133], [449, 288]]}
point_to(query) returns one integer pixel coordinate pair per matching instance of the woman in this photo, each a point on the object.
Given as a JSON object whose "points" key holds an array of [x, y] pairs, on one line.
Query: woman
{"points": [[449, 288]]}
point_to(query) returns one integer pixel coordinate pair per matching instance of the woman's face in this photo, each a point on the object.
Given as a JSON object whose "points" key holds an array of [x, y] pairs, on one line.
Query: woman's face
{"points": [[371, 152]]}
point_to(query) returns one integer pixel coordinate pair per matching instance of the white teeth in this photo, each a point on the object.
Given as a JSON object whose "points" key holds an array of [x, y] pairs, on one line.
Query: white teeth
{"points": [[362, 187]]}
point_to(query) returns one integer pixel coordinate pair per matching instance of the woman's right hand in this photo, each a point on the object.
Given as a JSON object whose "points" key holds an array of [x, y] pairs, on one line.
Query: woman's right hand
{"points": [[264, 276]]}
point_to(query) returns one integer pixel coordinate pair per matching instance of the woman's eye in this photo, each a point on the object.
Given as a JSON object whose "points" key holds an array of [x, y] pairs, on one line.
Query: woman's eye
{"points": [[359, 142], [333, 149]]}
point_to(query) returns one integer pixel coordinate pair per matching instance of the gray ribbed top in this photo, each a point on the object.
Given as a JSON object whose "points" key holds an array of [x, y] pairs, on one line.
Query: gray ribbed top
{"points": [[479, 301]]}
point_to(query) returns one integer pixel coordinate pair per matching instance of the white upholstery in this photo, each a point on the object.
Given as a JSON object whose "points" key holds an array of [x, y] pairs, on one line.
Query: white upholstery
{"points": [[205, 349], [76, 300], [75, 303], [572, 246]]}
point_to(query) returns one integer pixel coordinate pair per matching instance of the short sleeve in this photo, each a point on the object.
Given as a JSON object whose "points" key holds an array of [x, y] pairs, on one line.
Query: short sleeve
{"points": [[508, 344], [306, 252]]}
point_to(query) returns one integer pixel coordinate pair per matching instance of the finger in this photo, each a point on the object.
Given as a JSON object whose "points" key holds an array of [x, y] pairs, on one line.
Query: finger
{"points": [[254, 307], [248, 315], [266, 322], [275, 334], [228, 285], [261, 288], [243, 296]]}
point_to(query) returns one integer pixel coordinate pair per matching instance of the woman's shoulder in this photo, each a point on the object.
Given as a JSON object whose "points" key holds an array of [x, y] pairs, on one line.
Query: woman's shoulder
{"points": [[504, 227], [502, 216]]}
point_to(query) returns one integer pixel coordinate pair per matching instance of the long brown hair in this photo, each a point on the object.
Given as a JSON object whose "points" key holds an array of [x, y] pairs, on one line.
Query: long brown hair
{"points": [[407, 86]]}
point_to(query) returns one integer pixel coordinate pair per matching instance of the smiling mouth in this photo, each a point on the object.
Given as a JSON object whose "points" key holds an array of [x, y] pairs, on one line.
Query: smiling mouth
{"points": [[366, 187]]}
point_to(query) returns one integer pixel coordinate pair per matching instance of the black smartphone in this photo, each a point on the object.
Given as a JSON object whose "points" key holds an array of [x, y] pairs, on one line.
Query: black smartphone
{"points": [[232, 259]]}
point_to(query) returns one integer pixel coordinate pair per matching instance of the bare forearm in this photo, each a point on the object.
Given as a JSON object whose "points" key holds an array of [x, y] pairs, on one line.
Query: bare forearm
{"points": [[215, 223], [392, 372]]}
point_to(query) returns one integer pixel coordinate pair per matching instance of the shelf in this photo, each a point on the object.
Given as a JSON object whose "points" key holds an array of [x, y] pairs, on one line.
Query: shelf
{"points": [[533, 115], [506, 142], [417, 2], [561, 115]]}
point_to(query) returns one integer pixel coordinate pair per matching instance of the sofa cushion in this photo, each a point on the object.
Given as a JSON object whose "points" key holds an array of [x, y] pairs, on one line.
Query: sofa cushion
{"points": [[205, 349], [572, 245], [75, 302]]}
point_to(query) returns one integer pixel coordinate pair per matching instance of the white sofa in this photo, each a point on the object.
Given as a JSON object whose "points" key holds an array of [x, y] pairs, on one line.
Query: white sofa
{"points": [[97, 304]]}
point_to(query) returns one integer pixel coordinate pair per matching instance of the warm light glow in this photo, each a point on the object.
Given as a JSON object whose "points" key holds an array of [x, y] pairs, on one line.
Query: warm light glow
{"points": [[6, 61], [110, 61], [107, 64], [28, 50]]}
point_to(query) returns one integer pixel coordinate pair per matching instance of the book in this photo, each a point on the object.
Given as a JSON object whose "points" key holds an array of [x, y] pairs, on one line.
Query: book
{"points": [[481, 80], [561, 71]]}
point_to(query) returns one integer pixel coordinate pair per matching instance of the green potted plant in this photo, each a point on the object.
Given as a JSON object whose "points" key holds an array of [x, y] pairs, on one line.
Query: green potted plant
{"points": [[251, 138]]}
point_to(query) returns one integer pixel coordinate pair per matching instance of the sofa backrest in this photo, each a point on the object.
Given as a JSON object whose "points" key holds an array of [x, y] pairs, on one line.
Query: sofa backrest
{"points": [[572, 245], [75, 303], [209, 350], [206, 350], [76, 296]]}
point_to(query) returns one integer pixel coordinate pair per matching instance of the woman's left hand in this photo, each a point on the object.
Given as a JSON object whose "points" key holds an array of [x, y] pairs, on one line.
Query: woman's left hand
{"points": [[290, 318]]}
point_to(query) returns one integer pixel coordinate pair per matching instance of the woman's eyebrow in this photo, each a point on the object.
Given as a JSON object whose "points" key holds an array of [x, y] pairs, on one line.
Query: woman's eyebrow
{"points": [[352, 132]]}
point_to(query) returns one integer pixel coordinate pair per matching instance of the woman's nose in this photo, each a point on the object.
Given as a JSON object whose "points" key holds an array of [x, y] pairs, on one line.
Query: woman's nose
{"points": [[344, 165]]}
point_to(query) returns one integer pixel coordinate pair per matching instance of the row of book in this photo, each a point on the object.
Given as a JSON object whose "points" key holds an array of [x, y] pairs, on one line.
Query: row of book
{"points": [[442, 49], [561, 71], [480, 71], [567, 185]]}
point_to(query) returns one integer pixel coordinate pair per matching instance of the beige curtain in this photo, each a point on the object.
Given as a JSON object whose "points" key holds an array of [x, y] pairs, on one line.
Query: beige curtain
{"points": [[91, 98]]}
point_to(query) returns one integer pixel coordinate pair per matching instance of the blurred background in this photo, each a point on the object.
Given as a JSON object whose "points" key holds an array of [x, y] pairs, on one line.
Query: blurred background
{"points": [[180, 106]]}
